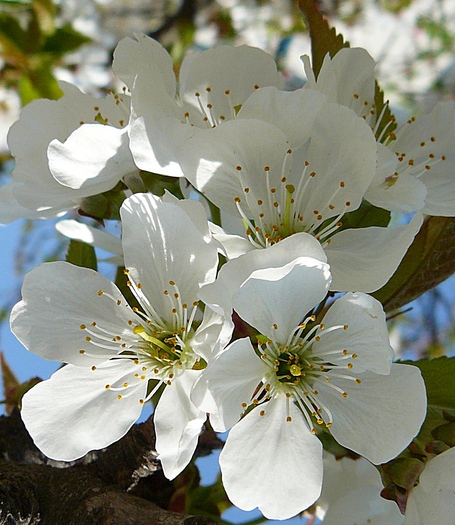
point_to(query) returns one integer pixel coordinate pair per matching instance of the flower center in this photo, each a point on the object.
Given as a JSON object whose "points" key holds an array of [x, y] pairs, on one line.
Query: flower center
{"points": [[300, 372], [284, 209], [160, 348]]}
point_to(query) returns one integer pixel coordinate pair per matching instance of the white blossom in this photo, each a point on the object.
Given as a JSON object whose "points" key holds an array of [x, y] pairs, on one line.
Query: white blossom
{"points": [[306, 176], [66, 150], [302, 375], [419, 155], [118, 354], [212, 85]]}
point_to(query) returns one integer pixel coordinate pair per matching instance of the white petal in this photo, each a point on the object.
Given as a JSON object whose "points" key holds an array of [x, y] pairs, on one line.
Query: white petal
{"points": [[402, 193], [213, 329], [380, 416], [232, 379], [364, 259], [275, 300], [156, 140], [146, 56], [178, 423], [194, 210], [271, 463], [58, 298], [438, 473], [366, 334], [343, 154], [293, 112], [90, 235], [41, 122], [233, 274], [11, 210], [440, 190], [232, 246], [351, 494], [211, 159], [425, 141], [350, 72], [161, 244], [363, 505], [94, 155], [72, 412], [433, 500], [238, 70]]}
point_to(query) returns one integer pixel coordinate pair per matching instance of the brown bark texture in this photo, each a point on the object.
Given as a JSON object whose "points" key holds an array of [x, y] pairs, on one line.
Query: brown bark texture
{"points": [[121, 485]]}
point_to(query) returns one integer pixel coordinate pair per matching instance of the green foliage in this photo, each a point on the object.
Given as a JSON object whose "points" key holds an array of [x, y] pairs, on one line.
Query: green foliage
{"points": [[104, 205], [15, 3], [429, 260], [31, 51], [65, 39], [324, 39], [439, 377], [439, 33], [366, 215], [436, 435], [81, 254]]}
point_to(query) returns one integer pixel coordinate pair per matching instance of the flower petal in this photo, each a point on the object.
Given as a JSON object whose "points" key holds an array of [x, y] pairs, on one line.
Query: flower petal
{"points": [[232, 379], [161, 244], [224, 77], [272, 463], [363, 505], [94, 156], [366, 334], [73, 412], [144, 55], [380, 416], [219, 293], [348, 78], [212, 158], [425, 149], [342, 153], [214, 328], [41, 122], [364, 259], [59, 300], [400, 193], [178, 423], [275, 300], [90, 235], [293, 112], [433, 499]]}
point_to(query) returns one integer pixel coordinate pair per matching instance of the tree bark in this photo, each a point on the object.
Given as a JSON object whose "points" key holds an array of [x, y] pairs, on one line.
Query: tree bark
{"points": [[121, 485]]}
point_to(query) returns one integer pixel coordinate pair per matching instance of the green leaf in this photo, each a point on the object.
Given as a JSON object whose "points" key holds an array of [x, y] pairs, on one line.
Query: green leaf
{"points": [[45, 13], [445, 433], [324, 39], [64, 40], [13, 41], [39, 82], [429, 260], [403, 472], [81, 254], [16, 2], [158, 184], [438, 375], [366, 215]]}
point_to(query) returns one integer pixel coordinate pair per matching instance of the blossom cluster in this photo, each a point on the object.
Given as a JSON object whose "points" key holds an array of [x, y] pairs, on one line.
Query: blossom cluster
{"points": [[262, 320]]}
